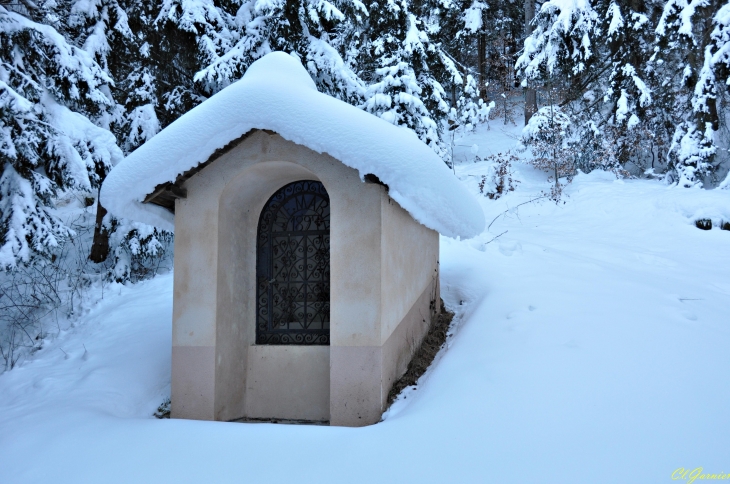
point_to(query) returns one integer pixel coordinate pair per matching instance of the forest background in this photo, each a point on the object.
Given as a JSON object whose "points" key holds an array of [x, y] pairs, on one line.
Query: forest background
{"points": [[638, 88]]}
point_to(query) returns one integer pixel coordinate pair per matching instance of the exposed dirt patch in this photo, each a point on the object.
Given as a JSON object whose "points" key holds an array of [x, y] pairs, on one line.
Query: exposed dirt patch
{"points": [[703, 224], [422, 359], [163, 411]]}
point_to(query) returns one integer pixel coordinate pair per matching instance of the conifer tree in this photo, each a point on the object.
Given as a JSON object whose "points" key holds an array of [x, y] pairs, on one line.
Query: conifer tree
{"points": [[185, 37], [690, 36], [457, 30], [49, 92], [595, 54], [321, 33], [399, 65]]}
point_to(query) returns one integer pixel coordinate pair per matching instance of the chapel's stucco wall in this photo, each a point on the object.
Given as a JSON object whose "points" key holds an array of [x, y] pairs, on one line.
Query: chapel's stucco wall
{"points": [[194, 307], [410, 287], [409, 264], [371, 293], [276, 374]]}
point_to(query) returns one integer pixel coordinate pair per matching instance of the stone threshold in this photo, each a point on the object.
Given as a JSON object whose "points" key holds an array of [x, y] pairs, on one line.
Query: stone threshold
{"points": [[285, 421]]}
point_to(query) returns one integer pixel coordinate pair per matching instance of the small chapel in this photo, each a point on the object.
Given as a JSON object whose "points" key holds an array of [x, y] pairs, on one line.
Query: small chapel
{"points": [[306, 253]]}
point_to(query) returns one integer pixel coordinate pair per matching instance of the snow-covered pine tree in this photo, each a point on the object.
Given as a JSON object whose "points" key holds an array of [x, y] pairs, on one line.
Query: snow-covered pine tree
{"points": [[559, 53], [562, 44], [456, 29], [720, 45], [49, 91], [690, 37], [325, 35], [489, 34], [548, 136], [399, 64], [719, 63], [628, 94], [132, 244], [114, 34], [594, 54], [186, 36], [139, 122]]}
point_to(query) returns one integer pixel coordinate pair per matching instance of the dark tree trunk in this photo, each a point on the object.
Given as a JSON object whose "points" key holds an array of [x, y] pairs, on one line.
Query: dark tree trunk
{"points": [[100, 246], [481, 64], [530, 93]]}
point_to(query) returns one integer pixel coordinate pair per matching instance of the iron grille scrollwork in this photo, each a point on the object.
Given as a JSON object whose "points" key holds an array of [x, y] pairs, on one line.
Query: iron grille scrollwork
{"points": [[293, 267]]}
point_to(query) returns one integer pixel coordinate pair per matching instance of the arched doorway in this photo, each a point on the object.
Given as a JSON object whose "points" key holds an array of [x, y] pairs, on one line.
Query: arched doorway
{"points": [[293, 266]]}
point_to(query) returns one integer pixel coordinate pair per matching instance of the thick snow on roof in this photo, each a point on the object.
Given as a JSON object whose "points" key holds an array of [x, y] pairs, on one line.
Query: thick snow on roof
{"points": [[277, 94]]}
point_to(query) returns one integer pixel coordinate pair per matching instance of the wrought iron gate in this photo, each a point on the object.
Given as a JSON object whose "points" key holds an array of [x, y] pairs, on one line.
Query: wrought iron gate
{"points": [[293, 267]]}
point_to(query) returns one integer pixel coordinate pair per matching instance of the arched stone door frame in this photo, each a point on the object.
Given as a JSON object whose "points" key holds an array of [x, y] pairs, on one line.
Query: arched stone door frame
{"points": [[244, 378], [293, 266]]}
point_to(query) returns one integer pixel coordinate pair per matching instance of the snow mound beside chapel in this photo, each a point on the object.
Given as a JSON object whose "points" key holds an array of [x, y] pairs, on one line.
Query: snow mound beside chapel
{"points": [[277, 94]]}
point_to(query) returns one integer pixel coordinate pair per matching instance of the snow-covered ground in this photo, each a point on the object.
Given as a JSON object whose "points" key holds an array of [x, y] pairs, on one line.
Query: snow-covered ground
{"points": [[592, 345]]}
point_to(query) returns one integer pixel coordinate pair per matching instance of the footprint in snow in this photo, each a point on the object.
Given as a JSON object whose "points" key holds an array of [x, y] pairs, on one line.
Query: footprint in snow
{"points": [[689, 315], [509, 249], [571, 344]]}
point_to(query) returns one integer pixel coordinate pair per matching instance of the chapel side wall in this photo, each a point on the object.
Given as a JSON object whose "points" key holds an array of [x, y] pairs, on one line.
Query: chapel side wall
{"points": [[194, 306], [410, 287], [410, 253]]}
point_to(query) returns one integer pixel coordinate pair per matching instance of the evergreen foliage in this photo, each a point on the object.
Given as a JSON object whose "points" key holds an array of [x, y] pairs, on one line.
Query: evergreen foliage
{"points": [[637, 78], [402, 87], [51, 95], [319, 32], [643, 85]]}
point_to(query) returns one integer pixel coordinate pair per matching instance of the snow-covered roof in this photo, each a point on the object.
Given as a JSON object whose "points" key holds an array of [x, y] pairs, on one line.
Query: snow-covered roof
{"points": [[277, 94]]}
